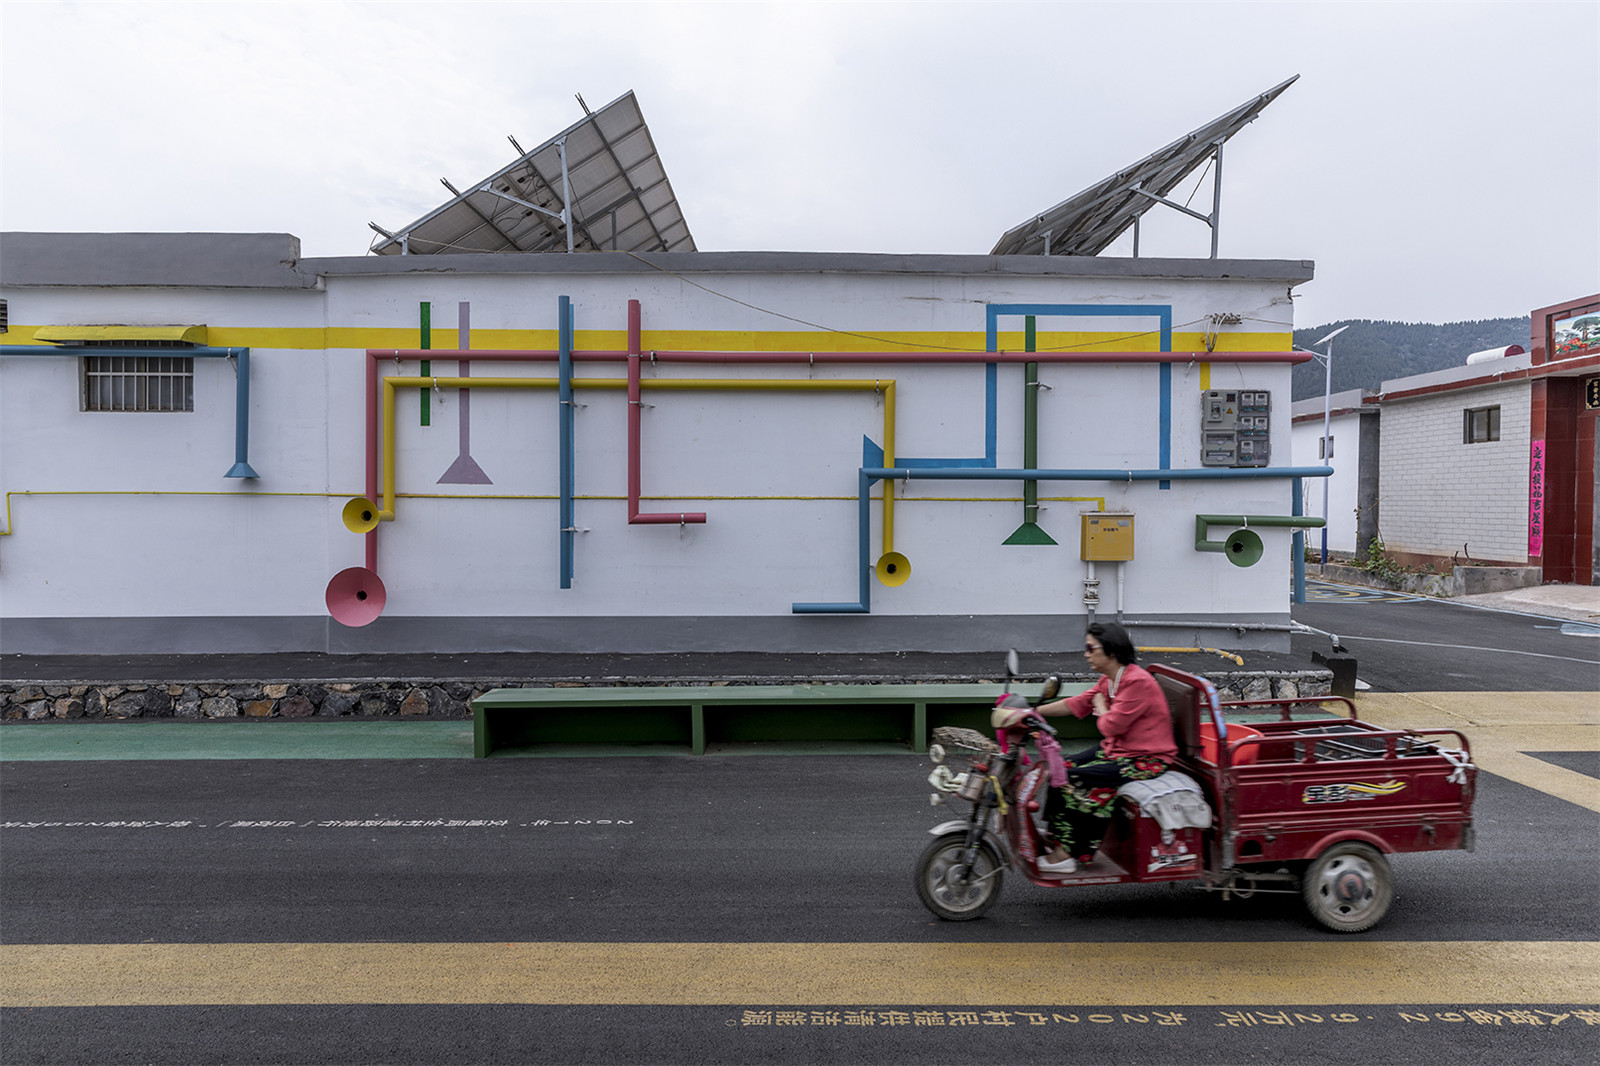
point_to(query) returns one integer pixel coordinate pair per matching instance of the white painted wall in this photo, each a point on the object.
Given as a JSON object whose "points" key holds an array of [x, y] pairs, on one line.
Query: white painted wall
{"points": [[129, 515], [1342, 487]]}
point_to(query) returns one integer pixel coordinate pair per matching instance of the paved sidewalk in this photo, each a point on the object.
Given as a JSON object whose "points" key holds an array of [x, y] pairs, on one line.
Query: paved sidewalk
{"points": [[1581, 603]]}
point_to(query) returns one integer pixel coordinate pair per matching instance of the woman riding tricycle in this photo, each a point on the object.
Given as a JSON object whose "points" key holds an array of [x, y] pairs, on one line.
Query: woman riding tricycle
{"points": [[1298, 800]]}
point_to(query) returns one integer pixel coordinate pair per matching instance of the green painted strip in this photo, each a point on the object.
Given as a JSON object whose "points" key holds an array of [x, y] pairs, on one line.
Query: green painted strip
{"points": [[98, 741], [752, 695]]}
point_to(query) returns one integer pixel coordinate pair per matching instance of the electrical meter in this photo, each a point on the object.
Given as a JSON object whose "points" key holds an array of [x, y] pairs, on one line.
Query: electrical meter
{"points": [[1235, 427]]}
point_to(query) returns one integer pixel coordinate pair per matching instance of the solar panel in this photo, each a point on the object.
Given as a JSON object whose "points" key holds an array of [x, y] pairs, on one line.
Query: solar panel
{"points": [[611, 175], [1089, 222]]}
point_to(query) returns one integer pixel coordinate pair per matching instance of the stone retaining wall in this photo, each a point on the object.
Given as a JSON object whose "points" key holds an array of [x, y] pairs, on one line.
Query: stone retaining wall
{"points": [[448, 699], [1461, 581]]}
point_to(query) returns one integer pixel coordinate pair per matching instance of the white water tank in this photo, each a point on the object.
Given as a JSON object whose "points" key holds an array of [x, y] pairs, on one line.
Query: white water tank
{"points": [[1495, 353]]}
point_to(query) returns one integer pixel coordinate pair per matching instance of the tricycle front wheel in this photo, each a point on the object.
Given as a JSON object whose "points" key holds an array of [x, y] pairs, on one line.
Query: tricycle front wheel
{"points": [[1349, 887], [948, 890]]}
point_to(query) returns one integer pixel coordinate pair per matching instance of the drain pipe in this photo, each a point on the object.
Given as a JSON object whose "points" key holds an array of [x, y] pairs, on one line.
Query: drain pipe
{"points": [[1238, 627], [241, 394], [1091, 593]]}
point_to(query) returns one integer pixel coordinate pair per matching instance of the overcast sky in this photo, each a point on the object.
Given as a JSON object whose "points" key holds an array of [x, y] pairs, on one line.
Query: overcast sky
{"points": [[1438, 161]]}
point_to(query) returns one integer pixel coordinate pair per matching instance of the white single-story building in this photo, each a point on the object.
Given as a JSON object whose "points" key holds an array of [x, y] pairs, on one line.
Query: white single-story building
{"points": [[1491, 463], [209, 443]]}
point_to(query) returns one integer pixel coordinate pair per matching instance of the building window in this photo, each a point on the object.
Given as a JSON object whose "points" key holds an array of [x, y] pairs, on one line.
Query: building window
{"points": [[1480, 424], [5, 317], [138, 382]]}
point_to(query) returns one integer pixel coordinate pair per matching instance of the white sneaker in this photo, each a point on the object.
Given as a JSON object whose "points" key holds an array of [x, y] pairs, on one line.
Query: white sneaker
{"points": [[1068, 865]]}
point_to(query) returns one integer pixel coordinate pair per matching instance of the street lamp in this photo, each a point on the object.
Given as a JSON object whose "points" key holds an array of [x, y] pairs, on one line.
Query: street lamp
{"points": [[1327, 418]]}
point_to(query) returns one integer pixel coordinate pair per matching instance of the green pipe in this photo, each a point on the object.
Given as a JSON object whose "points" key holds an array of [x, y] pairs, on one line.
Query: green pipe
{"points": [[1030, 423], [1029, 532], [1245, 521]]}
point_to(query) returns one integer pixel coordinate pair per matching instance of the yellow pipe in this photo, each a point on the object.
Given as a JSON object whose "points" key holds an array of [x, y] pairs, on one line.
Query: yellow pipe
{"points": [[1214, 651], [9, 527], [884, 385]]}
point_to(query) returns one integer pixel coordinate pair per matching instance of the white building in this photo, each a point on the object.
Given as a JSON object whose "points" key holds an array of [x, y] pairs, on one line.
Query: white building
{"points": [[1491, 464], [202, 503], [1353, 453]]}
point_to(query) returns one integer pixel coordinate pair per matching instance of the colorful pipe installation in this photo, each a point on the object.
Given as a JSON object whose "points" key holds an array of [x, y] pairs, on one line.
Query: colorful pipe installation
{"points": [[365, 514], [868, 475]]}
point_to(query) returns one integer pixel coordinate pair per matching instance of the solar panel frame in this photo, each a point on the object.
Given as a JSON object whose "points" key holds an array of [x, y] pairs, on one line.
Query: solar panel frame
{"points": [[620, 195], [1088, 223]]}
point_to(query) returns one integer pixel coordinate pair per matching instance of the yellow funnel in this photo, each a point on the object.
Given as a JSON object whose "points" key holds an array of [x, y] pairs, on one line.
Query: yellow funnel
{"points": [[893, 569], [360, 515]]}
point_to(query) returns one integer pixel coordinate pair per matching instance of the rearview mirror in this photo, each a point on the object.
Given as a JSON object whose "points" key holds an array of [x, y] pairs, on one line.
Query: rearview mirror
{"points": [[1052, 686], [1013, 667]]}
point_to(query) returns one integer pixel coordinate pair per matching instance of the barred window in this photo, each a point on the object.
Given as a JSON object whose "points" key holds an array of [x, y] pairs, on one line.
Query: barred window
{"points": [[1480, 424], [138, 382]]}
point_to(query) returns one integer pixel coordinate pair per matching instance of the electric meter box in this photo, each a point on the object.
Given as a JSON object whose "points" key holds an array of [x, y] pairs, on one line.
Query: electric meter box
{"points": [[1107, 538], [1236, 427]]}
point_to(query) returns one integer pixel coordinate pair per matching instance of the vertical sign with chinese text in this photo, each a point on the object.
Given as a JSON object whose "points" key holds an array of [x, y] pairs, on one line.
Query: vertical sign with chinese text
{"points": [[1536, 501]]}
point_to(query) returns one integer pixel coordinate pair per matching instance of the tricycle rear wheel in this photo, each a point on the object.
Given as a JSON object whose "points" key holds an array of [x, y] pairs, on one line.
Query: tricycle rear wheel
{"points": [[945, 891], [1348, 888]]}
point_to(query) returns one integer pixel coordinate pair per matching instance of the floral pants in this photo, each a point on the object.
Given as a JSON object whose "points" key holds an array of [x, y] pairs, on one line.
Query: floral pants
{"points": [[1080, 813]]}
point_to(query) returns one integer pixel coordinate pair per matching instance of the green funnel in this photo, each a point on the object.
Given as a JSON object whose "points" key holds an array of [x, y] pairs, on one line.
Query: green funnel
{"points": [[1243, 547]]}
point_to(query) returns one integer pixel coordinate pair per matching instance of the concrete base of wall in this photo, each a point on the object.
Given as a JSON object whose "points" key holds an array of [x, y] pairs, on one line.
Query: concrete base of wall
{"points": [[1472, 580], [796, 634]]}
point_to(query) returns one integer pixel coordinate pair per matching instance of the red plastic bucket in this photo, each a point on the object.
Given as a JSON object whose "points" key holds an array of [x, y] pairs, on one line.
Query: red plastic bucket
{"points": [[1208, 743]]}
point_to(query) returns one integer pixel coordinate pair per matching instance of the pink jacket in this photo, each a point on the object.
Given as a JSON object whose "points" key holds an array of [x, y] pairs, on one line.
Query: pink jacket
{"points": [[1138, 721]]}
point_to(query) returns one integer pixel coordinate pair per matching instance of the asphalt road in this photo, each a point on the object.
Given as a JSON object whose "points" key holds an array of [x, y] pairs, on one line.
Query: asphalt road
{"points": [[1414, 644], [615, 868], [683, 850]]}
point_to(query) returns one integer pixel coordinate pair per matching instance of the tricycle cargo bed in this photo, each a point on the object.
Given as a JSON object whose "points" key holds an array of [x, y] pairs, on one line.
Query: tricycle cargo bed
{"points": [[1285, 789]]}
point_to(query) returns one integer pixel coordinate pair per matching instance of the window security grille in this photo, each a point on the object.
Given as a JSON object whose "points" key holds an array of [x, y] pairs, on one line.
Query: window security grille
{"points": [[138, 382], [1480, 424], [5, 317]]}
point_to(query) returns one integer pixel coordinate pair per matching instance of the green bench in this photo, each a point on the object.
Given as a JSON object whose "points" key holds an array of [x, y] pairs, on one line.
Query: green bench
{"points": [[688, 719]]}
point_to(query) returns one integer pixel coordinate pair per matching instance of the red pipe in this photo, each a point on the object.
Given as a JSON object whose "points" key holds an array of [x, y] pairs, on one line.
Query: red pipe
{"points": [[372, 458], [854, 357], [635, 518]]}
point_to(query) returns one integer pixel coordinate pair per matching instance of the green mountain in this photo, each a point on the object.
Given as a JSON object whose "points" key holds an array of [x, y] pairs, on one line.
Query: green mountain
{"points": [[1371, 352]]}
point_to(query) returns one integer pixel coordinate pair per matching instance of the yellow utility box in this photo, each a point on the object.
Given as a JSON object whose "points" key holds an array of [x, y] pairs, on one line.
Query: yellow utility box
{"points": [[1107, 538]]}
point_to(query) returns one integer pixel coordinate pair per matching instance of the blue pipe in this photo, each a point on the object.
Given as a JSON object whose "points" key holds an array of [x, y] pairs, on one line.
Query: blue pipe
{"points": [[864, 538], [241, 417], [868, 475], [1297, 544], [1209, 473]]}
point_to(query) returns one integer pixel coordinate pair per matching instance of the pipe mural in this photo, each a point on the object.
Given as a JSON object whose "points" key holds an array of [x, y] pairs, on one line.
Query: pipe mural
{"points": [[356, 596]]}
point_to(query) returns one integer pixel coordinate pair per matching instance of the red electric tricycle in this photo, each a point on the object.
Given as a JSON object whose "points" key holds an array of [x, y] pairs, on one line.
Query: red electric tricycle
{"points": [[1304, 797]]}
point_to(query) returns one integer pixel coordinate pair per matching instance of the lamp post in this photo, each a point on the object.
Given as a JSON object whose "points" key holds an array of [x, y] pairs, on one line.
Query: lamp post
{"points": [[1327, 418]]}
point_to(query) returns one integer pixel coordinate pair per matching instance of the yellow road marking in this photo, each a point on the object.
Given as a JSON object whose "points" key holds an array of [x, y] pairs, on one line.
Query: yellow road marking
{"points": [[1501, 726], [1332, 972]]}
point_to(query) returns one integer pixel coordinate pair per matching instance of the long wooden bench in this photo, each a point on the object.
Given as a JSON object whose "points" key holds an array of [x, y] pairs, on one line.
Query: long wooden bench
{"points": [[691, 718]]}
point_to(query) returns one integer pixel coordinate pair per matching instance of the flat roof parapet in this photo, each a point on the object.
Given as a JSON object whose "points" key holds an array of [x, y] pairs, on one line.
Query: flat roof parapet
{"points": [[197, 260], [272, 261]]}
